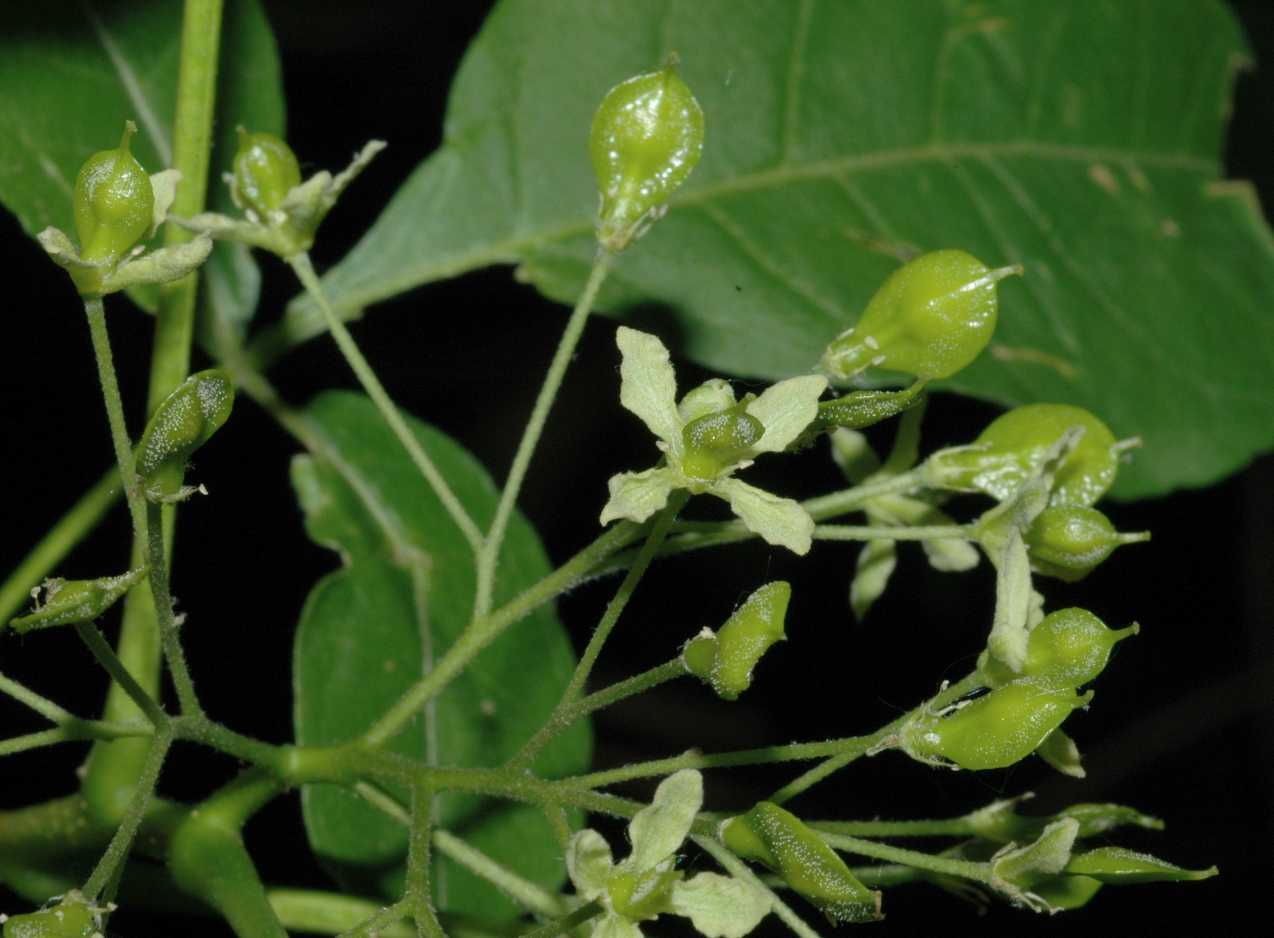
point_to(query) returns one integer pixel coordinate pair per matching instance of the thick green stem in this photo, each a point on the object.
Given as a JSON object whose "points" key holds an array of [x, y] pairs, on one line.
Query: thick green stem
{"points": [[852, 532], [115, 410], [835, 763], [117, 851], [157, 571], [106, 657], [60, 539], [563, 718], [483, 631], [965, 869], [366, 375], [534, 427], [113, 768]]}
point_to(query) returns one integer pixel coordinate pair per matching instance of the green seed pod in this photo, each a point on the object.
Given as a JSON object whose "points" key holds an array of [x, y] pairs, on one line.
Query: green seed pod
{"points": [[1067, 892], [779, 840], [859, 410], [716, 441], [182, 423], [1061, 753], [265, 171], [1069, 541], [1016, 443], [72, 917], [113, 201], [999, 822], [1117, 865], [67, 602], [1070, 648], [646, 138], [930, 318], [725, 660], [995, 730]]}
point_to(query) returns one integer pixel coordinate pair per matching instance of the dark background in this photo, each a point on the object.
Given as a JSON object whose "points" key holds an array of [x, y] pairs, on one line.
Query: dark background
{"points": [[1182, 724]]}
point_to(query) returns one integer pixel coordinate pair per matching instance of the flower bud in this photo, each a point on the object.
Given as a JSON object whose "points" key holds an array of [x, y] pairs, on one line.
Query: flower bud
{"points": [[1069, 541], [265, 171], [779, 840], [182, 423], [930, 318], [646, 138], [995, 730], [1015, 444], [113, 202]]}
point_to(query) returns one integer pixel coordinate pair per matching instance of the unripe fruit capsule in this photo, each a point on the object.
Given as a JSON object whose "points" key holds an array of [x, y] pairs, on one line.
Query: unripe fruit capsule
{"points": [[994, 731], [1067, 649], [113, 202], [1069, 541], [265, 171], [930, 318], [185, 420], [646, 138], [715, 441]]}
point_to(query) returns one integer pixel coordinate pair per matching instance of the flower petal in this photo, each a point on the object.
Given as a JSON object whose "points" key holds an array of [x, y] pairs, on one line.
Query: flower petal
{"points": [[780, 521], [785, 409], [720, 906], [658, 830], [637, 495], [648, 385]]}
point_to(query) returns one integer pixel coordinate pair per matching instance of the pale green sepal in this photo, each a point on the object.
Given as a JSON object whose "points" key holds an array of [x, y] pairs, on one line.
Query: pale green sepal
{"points": [[164, 185], [224, 228], [1060, 751], [779, 521], [1015, 870], [785, 409], [63, 251], [711, 397], [648, 385], [853, 454], [306, 205], [876, 563], [720, 906], [657, 830], [637, 495], [161, 266], [1009, 635], [615, 926], [588, 863]]}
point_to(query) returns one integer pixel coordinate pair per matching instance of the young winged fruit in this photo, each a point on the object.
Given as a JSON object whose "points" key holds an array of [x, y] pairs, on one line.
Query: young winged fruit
{"points": [[779, 840], [113, 202], [725, 660], [1068, 649], [995, 730], [265, 170], [73, 917], [1070, 541], [930, 318], [182, 423], [67, 602], [715, 441], [646, 138], [1016, 443]]}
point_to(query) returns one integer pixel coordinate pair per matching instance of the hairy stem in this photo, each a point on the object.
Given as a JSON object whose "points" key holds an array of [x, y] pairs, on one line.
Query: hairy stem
{"points": [[366, 375], [327, 913], [965, 869], [490, 552], [564, 924], [106, 657], [851, 532], [120, 440], [157, 572], [113, 768]]}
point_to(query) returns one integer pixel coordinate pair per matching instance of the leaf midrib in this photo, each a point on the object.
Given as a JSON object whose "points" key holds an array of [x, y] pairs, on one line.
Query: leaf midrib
{"points": [[513, 249]]}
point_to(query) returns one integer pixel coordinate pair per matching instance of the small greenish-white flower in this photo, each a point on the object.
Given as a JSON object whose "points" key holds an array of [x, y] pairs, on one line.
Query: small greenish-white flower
{"points": [[281, 214], [706, 438], [647, 884]]}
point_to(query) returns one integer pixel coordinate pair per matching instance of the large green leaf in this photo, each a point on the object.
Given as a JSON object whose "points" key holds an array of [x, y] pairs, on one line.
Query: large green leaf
{"points": [[71, 74], [370, 630], [1078, 137]]}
